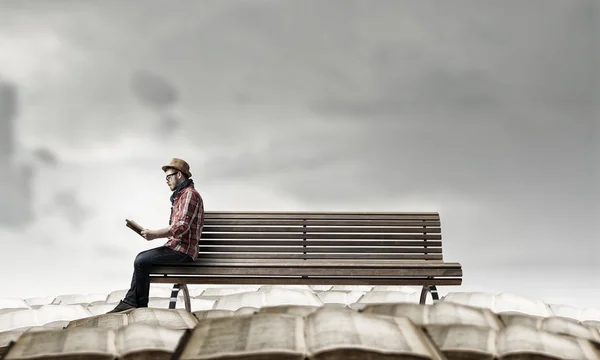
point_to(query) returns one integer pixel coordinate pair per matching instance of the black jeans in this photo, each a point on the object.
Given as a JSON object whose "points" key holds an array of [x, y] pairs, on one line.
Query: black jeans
{"points": [[140, 283]]}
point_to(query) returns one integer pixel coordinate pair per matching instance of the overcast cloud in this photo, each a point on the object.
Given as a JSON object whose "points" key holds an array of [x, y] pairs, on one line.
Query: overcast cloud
{"points": [[486, 111]]}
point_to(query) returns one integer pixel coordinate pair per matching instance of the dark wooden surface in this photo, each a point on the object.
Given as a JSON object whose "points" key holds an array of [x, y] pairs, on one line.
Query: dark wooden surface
{"points": [[380, 256]]}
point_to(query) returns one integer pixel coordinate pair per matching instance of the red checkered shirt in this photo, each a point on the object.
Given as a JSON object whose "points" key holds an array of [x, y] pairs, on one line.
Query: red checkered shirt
{"points": [[187, 220]]}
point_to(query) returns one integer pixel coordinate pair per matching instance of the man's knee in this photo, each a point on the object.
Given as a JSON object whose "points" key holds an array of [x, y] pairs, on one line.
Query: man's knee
{"points": [[142, 260]]}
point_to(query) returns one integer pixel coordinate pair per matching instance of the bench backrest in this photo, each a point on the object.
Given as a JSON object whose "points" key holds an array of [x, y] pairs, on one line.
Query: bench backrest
{"points": [[321, 235]]}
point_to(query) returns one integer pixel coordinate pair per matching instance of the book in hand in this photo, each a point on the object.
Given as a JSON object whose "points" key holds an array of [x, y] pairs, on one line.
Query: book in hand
{"points": [[134, 226]]}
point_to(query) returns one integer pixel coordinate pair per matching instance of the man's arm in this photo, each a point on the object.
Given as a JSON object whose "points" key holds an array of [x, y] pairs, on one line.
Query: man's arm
{"points": [[155, 234]]}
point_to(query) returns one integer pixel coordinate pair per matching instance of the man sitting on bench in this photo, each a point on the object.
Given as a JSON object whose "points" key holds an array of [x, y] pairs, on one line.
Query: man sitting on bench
{"points": [[183, 232]]}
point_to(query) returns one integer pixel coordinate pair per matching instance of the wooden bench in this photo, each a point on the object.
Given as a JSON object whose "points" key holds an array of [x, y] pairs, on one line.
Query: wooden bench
{"points": [[316, 248]]}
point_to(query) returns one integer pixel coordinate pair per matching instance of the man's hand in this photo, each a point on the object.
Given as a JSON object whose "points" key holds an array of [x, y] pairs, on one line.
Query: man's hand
{"points": [[149, 234], [155, 234]]}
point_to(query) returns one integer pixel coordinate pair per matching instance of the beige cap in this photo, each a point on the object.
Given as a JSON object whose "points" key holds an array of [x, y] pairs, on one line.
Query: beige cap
{"points": [[180, 165]]}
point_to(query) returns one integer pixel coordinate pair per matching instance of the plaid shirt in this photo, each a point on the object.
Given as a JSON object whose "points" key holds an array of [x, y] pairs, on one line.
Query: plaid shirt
{"points": [[187, 220]]}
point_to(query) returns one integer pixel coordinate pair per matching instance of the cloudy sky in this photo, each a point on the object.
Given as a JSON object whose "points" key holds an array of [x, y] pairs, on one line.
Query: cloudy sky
{"points": [[486, 111]]}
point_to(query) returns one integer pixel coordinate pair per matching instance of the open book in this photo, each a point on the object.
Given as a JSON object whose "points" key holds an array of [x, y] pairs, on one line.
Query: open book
{"points": [[554, 324], [134, 226], [214, 313], [168, 318], [440, 313], [136, 341], [324, 334], [6, 337], [501, 303], [459, 341], [299, 310]]}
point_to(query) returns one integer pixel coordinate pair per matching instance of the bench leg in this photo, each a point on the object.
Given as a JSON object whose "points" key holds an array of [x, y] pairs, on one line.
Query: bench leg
{"points": [[428, 288], [433, 290], [186, 297], [174, 292]]}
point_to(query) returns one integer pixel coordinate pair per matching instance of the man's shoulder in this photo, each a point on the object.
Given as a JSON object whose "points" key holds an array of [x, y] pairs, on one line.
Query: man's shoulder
{"points": [[192, 190]]}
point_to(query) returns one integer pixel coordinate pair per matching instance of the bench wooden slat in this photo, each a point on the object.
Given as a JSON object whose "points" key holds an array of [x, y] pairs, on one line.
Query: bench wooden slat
{"points": [[320, 229], [296, 249], [317, 236], [332, 216], [307, 271], [222, 242], [300, 222], [287, 256], [303, 281], [337, 262], [316, 264], [303, 213]]}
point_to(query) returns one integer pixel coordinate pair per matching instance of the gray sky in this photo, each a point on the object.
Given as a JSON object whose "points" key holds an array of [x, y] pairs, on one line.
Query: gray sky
{"points": [[486, 111]]}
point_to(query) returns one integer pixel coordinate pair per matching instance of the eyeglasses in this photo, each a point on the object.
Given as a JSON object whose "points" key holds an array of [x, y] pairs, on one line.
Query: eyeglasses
{"points": [[169, 176]]}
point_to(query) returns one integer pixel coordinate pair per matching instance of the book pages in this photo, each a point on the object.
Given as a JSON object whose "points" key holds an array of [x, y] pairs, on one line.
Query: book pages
{"points": [[39, 301], [269, 297], [58, 324], [107, 321], [568, 311], [221, 290], [264, 288], [449, 313], [513, 303], [571, 327], [82, 341], [299, 310], [520, 319], [270, 334], [6, 311], [170, 318], [7, 336], [394, 297], [554, 324], [74, 299], [246, 310], [331, 330], [591, 324], [417, 313], [476, 299], [348, 288], [195, 304], [13, 303], [39, 328], [340, 297], [96, 310], [459, 340], [138, 338], [519, 339], [213, 313]]}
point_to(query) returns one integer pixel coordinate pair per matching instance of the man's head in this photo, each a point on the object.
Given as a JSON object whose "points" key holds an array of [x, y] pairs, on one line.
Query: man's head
{"points": [[176, 172]]}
